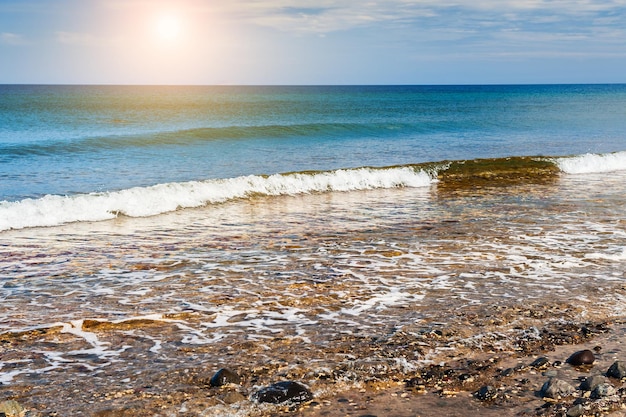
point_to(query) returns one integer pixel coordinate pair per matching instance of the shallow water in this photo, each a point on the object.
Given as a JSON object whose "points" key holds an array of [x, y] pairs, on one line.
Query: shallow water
{"points": [[338, 286]]}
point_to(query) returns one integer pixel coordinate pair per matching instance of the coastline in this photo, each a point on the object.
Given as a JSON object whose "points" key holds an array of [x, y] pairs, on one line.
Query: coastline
{"points": [[367, 383], [342, 292], [516, 377]]}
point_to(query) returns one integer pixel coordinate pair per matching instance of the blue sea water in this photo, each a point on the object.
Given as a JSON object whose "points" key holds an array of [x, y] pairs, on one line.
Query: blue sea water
{"points": [[76, 140]]}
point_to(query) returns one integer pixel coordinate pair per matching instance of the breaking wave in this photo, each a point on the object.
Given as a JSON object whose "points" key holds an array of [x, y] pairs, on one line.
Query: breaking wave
{"points": [[593, 163], [53, 210]]}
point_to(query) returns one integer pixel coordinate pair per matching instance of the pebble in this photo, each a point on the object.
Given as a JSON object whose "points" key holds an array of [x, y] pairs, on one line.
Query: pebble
{"points": [[282, 392], [617, 370], [541, 363], [486, 393], [556, 388], [224, 376], [582, 357], [576, 411]]}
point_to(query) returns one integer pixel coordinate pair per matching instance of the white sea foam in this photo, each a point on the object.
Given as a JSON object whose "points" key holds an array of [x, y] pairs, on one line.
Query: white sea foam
{"points": [[53, 210], [616, 256], [592, 163]]}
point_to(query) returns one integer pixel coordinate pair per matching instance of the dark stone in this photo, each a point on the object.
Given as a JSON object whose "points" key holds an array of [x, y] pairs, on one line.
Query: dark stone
{"points": [[582, 357], [466, 377], [556, 388], [617, 370], [224, 376], [282, 392], [486, 393], [540, 363], [590, 383]]}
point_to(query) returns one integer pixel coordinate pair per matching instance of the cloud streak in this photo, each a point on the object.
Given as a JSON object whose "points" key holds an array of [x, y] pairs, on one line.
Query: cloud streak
{"points": [[316, 17], [12, 39]]}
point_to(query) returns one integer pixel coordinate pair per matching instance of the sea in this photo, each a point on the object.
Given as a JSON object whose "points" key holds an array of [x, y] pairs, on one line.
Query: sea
{"points": [[334, 235]]}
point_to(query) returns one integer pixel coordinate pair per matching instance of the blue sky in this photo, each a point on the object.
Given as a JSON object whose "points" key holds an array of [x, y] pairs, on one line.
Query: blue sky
{"points": [[312, 42]]}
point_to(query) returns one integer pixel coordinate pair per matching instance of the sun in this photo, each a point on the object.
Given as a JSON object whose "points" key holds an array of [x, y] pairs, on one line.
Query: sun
{"points": [[168, 27]]}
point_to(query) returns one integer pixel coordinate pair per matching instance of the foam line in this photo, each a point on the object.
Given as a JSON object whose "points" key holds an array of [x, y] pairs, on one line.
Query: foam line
{"points": [[53, 210]]}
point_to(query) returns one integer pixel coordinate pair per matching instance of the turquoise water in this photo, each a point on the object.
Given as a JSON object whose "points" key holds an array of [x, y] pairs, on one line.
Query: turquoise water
{"points": [[66, 140]]}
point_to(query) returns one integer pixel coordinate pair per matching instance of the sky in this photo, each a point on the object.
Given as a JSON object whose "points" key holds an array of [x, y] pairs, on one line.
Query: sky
{"points": [[307, 42]]}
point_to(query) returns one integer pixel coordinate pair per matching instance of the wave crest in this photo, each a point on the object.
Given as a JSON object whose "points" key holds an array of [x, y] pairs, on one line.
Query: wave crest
{"points": [[592, 163], [53, 210]]}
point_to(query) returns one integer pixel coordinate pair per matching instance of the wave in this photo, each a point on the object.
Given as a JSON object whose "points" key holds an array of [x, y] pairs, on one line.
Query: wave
{"points": [[592, 163], [53, 210], [198, 135]]}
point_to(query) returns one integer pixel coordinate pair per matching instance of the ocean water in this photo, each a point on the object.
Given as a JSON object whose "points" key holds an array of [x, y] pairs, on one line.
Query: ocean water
{"points": [[152, 235], [72, 153]]}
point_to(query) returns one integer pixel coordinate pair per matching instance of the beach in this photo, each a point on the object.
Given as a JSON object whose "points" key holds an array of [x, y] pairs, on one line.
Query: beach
{"points": [[380, 251], [345, 292]]}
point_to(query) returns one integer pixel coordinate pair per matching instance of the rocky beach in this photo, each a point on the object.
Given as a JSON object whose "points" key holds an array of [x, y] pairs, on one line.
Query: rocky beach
{"points": [[451, 369]]}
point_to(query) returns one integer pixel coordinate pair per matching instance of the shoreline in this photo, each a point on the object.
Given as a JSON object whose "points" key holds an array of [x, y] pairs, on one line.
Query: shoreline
{"points": [[350, 294], [363, 386], [457, 388]]}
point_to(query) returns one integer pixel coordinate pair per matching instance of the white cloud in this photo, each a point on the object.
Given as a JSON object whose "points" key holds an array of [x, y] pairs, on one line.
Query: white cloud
{"points": [[12, 38], [323, 16]]}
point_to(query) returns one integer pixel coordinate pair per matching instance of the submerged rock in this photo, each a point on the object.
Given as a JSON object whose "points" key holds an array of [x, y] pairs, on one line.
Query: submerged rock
{"points": [[224, 376], [556, 388], [582, 357], [282, 392], [617, 370]]}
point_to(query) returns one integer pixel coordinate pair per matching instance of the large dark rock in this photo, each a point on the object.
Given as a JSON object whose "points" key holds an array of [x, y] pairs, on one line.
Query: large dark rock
{"points": [[582, 357], [282, 392], [617, 370], [224, 376]]}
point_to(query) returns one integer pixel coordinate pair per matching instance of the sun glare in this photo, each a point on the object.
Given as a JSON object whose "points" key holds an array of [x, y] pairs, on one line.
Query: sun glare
{"points": [[168, 27]]}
